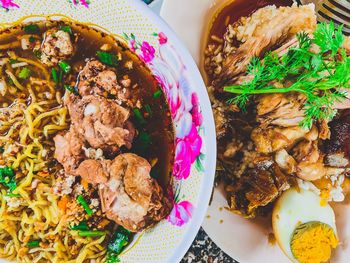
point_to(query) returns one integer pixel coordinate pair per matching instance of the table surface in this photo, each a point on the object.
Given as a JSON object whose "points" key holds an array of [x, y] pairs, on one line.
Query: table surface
{"points": [[203, 248]]}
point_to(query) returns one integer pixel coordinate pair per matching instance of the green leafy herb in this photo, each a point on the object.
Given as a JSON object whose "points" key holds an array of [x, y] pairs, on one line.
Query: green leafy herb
{"points": [[34, 243], [2, 149], [24, 73], [13, 61], [94, 233], [65, 67], [82, 226], [118, 242], [142, 143], [54, 75], [66, 29], [71, 89], [157, 94], [37, 53], [108, 58], [139, 117], [320, 76], [31, 39], [84, 204], [31, 29], [13, 195], [7, 178]]}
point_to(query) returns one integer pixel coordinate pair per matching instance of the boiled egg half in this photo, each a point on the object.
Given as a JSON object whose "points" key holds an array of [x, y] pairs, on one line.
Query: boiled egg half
{"points": [[304, 229]]}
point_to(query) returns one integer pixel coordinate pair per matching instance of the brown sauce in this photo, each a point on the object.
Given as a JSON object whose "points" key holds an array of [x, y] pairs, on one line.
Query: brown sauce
{"points": [[159, 148]]}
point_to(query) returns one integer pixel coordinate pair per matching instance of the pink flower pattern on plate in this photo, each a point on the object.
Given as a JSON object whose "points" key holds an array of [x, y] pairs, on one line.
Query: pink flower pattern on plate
{"points": [[170, 72], [82, 2], [7, 4]]}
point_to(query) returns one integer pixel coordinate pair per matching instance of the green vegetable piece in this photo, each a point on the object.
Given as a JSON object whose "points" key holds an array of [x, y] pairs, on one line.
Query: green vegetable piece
{"points": [[71, 89], [119, 240], [2, 149], [54, 75], [37, 53], [108, 58], [95, 233], [24, 73], [66, 29], [31, 39], [139, 117], [321, 76], [142, 143], [65, 67], [7, 178], [84, 204], [157, 94], [13, 61], [34, 243], [32, 29], [81, 226], [149, 110], [112, 258]]}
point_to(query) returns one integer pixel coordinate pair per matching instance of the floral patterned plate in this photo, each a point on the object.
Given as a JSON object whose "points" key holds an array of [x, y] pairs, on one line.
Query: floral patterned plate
{"points": [[148, 36]]}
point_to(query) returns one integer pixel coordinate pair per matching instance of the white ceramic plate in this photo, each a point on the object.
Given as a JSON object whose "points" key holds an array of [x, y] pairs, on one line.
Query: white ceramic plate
{"points": [[242, 239]]}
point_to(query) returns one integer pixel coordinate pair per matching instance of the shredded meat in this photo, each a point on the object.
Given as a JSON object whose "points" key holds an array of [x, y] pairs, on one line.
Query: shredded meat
{"points": [[96, 78], [103, 123], [131, 197], [257, 188], [281, 109], [56, 46], [68, 150], [286, 22]]}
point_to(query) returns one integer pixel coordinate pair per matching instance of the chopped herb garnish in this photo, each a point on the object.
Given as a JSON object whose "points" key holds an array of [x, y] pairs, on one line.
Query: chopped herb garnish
{"points": [[82, 226], [149, 110], [157, 94], [94, 233], [54, 75], [142, 143], [71, 89], [66, 29], [31, 29], [31, 39], [84, 204], [321, 76], [138, 116], [65, 67], [37, 53], [13, 195], [7, 178], [108, 58], [118, 242], [112, 258], [24, 73], [13, 61], [34, 243]]}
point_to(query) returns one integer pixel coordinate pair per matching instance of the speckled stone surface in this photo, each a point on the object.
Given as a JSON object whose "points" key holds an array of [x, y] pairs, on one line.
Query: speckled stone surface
{"points": [[204, 250]]}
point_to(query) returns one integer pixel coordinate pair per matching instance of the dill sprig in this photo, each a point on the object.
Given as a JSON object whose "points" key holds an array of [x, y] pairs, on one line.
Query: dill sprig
{"points": [[321, 75]]}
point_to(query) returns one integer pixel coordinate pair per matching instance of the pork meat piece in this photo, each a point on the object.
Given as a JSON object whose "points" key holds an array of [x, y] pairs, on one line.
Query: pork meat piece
{"points": [[98, 79], [103, 123], [56, 46], [131, 197], [68, 150], [273, 27]]}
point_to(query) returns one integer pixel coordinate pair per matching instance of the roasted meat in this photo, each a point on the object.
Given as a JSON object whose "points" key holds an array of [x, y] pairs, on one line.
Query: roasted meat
{"points": [[131, 197], [338, 146], [258, 187], [278, 26]]}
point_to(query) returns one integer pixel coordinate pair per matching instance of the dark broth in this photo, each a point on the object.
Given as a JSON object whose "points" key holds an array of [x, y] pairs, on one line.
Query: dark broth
{"points": [[159, 148]]}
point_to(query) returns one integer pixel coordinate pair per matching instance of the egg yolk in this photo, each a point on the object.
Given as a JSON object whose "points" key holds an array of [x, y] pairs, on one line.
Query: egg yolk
{"points": [[313, 242]]}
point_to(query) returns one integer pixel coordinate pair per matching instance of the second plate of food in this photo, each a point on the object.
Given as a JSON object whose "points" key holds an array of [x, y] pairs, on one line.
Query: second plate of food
{"points": [[278, 84]]}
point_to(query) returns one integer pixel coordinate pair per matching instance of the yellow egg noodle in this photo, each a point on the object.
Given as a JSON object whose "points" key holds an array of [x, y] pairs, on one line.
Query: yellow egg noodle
{"points": [[26, 127]]}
